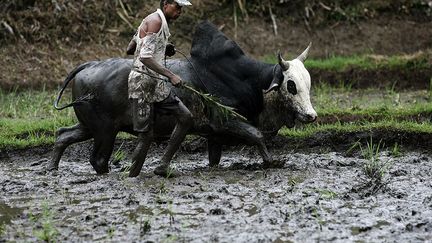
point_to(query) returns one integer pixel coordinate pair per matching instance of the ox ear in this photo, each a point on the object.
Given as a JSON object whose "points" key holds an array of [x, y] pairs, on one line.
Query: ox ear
{"points": [[277, 80], [305, 54], [273, 86], [284, 64]]}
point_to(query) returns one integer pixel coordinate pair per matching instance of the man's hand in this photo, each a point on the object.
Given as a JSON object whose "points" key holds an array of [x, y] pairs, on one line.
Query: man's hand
{"points": [[170, 50], [176, 80], [131, 47]]}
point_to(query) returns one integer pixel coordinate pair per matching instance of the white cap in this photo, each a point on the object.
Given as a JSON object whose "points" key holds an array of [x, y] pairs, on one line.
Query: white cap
{"points": [[182, 3]]}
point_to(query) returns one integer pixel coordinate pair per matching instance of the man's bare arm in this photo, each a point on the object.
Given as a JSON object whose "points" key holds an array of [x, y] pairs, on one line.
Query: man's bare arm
{"points": [[153, 26], [155, 66]]}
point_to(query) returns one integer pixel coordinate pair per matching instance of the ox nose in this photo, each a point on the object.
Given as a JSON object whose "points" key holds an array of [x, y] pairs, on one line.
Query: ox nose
{"points": [[311, 117]]}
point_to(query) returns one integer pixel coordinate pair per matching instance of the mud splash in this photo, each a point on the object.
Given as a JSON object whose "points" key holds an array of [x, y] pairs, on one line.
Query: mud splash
{"points": [[315, 197]]}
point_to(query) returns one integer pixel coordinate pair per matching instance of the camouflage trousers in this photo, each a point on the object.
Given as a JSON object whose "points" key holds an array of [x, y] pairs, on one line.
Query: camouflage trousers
{"points": [[143, 112]]}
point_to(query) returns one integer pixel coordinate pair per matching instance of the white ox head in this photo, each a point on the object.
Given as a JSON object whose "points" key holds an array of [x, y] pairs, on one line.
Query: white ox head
{"points": [[295, 87]]}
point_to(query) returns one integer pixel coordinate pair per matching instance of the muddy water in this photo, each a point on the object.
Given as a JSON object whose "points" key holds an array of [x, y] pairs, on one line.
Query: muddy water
{"points": [[315, 197]]}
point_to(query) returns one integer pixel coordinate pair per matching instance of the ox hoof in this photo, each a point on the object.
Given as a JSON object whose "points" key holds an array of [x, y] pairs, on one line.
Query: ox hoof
{"points": [[273, 164], [213, 165], [51, 167], [102, 171], [165, 171]]}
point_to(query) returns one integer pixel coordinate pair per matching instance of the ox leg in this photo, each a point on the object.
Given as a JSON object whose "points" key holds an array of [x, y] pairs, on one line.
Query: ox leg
{"points": [[65, 137], [102, 150], [214, 152], [251, 135]]}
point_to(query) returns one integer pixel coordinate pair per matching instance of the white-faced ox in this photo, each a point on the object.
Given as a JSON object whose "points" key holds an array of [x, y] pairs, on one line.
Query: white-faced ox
{"points": [[269, 96]]}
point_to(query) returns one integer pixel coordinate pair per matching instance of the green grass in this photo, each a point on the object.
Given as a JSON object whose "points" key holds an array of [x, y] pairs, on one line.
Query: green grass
{"points": [[29, 119], [392, 125], [31, 104], [364, 62], [328, 100]]}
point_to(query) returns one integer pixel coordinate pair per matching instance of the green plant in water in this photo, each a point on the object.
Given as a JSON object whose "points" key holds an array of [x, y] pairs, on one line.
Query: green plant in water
{"points": [[111, 232], [396, 150], [371, 152], [374, 169], [354, 146], [2, 229], [124, 171], [171, 171], [119, 155], [145, 227], [171, 238], [162, 187], [66, 197], [48, 233], [203, 176], [171, 212], [314, 213], [162, 197], [292, 182], [327, 194]]}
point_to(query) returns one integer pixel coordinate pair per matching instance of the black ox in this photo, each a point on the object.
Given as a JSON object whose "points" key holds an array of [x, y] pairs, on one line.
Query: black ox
{"points": [[219, 67]]}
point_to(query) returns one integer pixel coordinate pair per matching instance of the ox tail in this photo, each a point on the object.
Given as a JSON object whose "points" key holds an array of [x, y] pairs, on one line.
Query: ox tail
{"points": [[71, 76]]}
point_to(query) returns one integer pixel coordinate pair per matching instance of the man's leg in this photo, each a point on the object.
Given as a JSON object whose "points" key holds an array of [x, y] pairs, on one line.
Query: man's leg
{"points": [[143, 124], [184, 122]]}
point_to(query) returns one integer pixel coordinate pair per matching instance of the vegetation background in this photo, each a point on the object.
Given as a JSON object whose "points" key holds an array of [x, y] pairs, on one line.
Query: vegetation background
{"points": [[42, 40]]}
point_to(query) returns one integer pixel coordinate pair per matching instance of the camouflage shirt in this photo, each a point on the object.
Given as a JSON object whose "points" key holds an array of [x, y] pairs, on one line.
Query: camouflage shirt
{"points": [[142, 86]]}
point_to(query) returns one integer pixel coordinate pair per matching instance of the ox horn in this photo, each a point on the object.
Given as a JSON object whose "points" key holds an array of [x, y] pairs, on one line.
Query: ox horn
{"points": [[284, 64], [304, 55]]}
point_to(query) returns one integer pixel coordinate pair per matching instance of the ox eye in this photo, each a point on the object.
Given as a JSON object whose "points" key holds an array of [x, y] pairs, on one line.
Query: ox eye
{"points": [[291, 86]]}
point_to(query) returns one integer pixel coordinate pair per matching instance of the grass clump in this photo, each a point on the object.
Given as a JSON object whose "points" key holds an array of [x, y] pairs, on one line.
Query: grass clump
{"points": [[145, 227], [2, 229], [119, 155], [395, 152], [326, 193], [375, 168], [44, 228]]}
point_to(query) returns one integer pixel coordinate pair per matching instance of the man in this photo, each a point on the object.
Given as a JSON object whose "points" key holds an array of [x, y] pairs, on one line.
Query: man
{"points": [[148, 92]]}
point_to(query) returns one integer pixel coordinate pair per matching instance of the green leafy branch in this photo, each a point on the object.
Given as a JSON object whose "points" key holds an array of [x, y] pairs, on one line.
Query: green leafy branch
{"points": [[213, 104]]}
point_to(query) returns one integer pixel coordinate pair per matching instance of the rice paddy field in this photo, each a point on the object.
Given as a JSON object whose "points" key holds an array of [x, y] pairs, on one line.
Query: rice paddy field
{"points": [[360, 173]]}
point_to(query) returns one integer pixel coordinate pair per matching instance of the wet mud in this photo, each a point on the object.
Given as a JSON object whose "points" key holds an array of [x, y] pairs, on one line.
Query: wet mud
{"points": [[317, 196]]}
